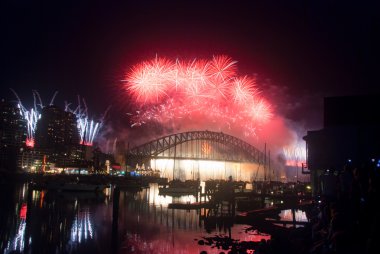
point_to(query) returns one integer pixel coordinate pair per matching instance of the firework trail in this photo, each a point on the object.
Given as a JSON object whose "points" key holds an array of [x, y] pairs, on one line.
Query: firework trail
{"points": [[32, 115], [209, 91], [88, 129], [295, 154]]}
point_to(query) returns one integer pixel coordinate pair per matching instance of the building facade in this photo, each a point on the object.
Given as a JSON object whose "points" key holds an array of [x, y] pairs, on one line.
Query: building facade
{"points": [[350, 135], [12, 134], [57, 136]]}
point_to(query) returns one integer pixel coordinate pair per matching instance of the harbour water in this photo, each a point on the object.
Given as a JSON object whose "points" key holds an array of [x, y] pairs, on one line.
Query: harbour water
{"points": [[33, 221]]}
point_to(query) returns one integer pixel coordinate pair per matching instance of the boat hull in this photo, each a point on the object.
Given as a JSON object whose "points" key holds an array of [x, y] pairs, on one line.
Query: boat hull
{"points": [[177, 191], [75, 187]]}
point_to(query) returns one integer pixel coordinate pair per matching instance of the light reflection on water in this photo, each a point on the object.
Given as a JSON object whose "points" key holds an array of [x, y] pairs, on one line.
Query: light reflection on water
{"points": [[153, 197], [82, 223], [291, 218], [17, 242], [82, 228], [299, 215], [18, 223]]}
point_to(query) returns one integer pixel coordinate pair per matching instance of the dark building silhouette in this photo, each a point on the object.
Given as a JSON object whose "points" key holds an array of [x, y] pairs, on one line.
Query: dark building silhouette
{"points": [[57, 134], [57, 129], [12, 134], [119, 151], [350, 135]]}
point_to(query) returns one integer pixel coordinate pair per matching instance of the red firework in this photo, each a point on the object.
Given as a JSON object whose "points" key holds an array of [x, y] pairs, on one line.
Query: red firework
{"points": [[223, 67], [179, 91], [243, 90], [148, 81]]}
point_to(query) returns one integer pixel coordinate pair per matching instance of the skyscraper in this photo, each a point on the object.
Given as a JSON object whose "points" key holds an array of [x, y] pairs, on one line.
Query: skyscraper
{"points": [[57, 133], [12, 134], [57, 129]]}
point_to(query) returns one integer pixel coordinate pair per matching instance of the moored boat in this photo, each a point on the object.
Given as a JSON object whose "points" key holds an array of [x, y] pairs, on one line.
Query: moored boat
{"points": [[180, 188], [70, 186], [75, 187]]}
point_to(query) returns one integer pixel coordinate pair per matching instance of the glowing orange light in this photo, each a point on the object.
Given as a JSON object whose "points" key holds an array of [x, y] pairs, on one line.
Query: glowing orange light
{"points": [[44, 164], [206, 148]]}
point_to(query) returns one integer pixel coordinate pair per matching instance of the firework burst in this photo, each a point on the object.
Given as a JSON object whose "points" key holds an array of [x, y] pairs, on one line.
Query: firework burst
{"points": [[88, 129], [210, 90], [295, 154], [243, 90], [32, 115], [149, 80]]}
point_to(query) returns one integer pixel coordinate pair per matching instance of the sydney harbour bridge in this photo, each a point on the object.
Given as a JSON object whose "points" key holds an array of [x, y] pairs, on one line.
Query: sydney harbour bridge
{"points": [[201, 155]]}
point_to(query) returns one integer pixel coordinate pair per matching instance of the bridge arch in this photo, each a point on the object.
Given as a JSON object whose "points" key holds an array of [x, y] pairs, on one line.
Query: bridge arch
{"points": [[215, 146], [200, 155]]}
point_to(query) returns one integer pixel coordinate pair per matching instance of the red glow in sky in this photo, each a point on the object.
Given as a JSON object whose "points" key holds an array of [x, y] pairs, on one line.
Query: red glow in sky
{"points": [[208, 92]]}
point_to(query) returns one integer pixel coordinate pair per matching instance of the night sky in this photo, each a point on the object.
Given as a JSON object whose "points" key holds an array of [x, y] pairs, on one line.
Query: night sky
{"points": [[300, 51]]}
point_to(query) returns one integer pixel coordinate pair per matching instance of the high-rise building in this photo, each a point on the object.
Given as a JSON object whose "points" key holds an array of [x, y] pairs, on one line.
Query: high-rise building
{"points": [[57, 134], [57, 129], [12, 134], [119, 152]]}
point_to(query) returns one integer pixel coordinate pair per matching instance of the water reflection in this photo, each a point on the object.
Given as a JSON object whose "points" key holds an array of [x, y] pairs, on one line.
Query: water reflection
{"points": [[153, 227], [17, 242], [296, 214], [82, 228], [290, 218], [13, 217], [52, 222], [153, 197], [47, 222]]}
